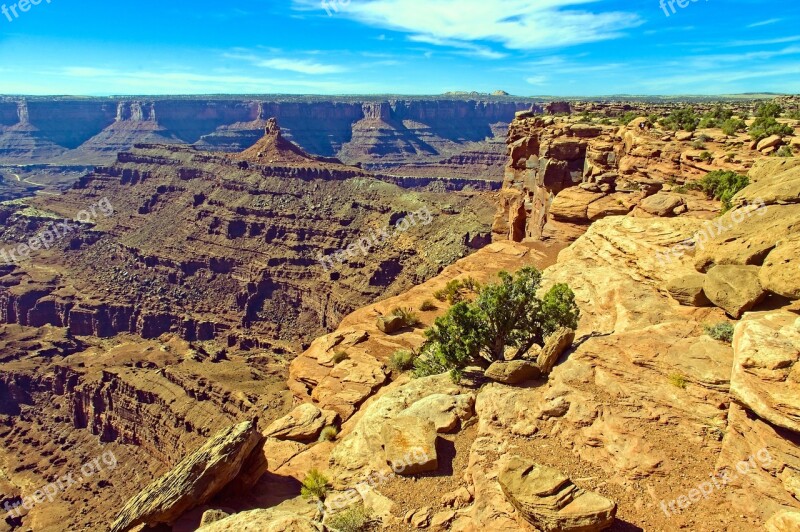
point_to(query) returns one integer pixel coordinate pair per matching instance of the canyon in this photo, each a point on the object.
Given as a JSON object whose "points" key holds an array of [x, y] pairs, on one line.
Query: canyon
{"points": [[431, 134], [199, 315]]}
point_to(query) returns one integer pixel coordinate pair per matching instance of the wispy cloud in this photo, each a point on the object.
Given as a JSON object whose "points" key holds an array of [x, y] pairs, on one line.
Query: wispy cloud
{"points": [[537, 80], [153, 82], [517, 24], [765, 23], [472, 50], [301, 66], [304, 67]]}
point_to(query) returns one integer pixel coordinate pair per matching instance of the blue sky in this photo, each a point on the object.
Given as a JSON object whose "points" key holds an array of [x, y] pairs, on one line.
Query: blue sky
{"points": [[525, 47]]}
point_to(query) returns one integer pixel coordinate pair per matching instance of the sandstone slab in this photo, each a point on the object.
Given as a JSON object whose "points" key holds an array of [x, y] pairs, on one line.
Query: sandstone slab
{"points": [[688, 290], [554, 347], [302, 424], [766, 371], [196, 479], [780, 273], [551, 502], [772, 141], [736, 289], [662, 204], [390, 324], [409, 445], [784, 521], [572, 204], [513, 372]]}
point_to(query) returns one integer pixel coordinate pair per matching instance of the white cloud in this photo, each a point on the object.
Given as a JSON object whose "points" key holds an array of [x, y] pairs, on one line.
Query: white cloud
{"points": [[537, 80], [150, 82], [301, 66], [765, 23], [304, 67], [517, 24], [471, 49]]}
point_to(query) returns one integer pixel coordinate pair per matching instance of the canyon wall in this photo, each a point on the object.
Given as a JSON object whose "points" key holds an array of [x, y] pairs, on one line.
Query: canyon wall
{"points": [[92, 130]]}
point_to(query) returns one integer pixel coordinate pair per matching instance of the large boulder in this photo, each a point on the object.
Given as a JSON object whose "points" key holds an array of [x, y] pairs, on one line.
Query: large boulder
{"points": [[513, 372], [361, 450], [302, 424], [766, 369], [269, 520], [662, 204], [735, 289], [779, 274], [390, 324], [745, 236], [554, 347], [784, 521], [193, 482], [688, 290], [572, 205], [772, 141], [409, 444], [782, 187], [550, 501], [446, 412]]}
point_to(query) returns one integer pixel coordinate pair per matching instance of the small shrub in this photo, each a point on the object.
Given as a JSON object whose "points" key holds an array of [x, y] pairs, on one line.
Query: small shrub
{"points": [[769, 110], [764, 127], [628, 117], [356, 518], [681, 119], [454, 291], [679, 381], [721, 331], [784, 151], [427, 306], [794, 114], [732, 126], [340, 356], [315, 486], [471, 284], [722, 185], [706, 157], [329, 433], [698, 145], [402, 360], [507, 314], [409, 317]]}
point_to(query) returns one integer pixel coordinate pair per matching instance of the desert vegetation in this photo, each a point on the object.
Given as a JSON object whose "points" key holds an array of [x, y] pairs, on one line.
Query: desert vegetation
{"points": [[505, 315], [722, 332], [721, 185]]}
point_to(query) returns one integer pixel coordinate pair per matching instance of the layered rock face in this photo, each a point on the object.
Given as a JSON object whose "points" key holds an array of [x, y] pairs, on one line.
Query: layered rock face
{"points": [[564, 174], [238, 249], [379, 132]]}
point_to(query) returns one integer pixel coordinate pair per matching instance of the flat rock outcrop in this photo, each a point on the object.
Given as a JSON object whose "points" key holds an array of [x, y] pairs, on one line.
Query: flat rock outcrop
{"points": [[196, 479], [766, 368], [563, 174], [550, 501], [302, 424], [736, 289]]}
